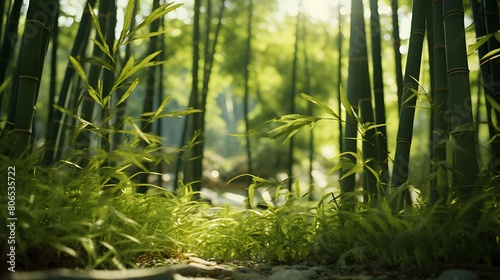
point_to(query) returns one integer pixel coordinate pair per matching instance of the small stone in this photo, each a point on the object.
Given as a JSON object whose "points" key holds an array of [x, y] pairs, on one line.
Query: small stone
{"points": [[458, 274], [201, 261]]}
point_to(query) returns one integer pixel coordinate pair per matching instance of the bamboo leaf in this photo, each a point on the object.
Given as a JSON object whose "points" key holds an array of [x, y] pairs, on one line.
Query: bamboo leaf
{"points": [[141, 134], [144, 37], [251, 195], [347, 105], [320, 104], [100, 62], [124, 73], [78, 68], [5, 84], [81, 73], [103, 47], [292, 124], [129, 70], [297, 189], [162, 105], [127, 21], [145, 62], [172, 114], [128, 92], [472, 48], [497, 35], [490, 54], [493, 103], [156, 14]]}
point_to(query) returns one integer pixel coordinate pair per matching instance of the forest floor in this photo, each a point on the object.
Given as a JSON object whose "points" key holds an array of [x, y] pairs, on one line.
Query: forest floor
{"points": [[188, 266], [194, 268], [197, 268], [191, 267]]}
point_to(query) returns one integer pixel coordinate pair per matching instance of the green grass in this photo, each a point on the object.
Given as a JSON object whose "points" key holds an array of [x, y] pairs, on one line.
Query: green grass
{"points": [[75, 217]]}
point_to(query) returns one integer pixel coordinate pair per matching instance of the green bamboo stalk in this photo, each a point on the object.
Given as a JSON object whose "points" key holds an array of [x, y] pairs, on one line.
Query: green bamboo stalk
{"points": [[293, 93], [108, 77], [207, 70], [121, 108], [2, 11], [425, 168], [463, 133], [440, 131], [191, 126], [246, 74], [54, 130], [198, 119], [339, 75], [486, 19], [378, 91], [83, 140], [310, 107], [159, 89], [8, 44], [355, 89], [40, 20], [407, 111], [397, 54], [358, 63], [146, 126], [53, 69]]}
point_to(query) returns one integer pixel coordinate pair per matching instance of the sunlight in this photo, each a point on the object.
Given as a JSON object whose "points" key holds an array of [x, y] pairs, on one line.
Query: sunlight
{"points": [[321, 10]]}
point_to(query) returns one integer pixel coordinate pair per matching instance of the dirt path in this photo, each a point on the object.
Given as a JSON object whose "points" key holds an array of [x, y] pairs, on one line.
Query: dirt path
{"points": [[200, 269]]}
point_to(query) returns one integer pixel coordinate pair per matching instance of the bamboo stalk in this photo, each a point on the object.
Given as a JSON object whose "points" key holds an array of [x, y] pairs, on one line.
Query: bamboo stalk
{"points": [[407, 110], [40, 20], [462, 124]]}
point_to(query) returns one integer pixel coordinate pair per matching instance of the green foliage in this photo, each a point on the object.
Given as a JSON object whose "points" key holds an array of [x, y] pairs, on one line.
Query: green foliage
{"points": [[90, 214]]}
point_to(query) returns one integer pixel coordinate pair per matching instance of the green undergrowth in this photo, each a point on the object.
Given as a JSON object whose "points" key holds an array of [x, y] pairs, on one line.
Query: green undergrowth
{"points": [[69, 216]]}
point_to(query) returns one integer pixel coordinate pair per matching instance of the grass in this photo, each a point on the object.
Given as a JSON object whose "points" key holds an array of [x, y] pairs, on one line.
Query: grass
{"points": [[69, 216]]}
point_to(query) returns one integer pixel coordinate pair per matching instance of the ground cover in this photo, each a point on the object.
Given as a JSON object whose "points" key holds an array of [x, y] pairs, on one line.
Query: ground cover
{"points": [[72, 217]]}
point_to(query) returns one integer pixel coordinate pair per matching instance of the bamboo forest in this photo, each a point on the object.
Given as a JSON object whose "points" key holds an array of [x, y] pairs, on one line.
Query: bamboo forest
{"points": [[250, 139]]}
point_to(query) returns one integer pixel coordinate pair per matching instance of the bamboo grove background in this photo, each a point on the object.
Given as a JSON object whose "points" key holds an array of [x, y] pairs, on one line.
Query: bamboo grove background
{"points": [[149, 95], [240, 76]]}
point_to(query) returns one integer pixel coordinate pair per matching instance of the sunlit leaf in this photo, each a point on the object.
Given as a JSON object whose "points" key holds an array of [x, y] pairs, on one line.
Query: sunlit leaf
{"points": [[346, 103], [491, 54], [81, 73], [297, 189], [321, 104], [145, 36], [5, 84], [472, 48], [102, 43], [156, 14], [494, 104], [141, 134], [251, 195], [125, 72], [127, 20], [101, 63]]}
